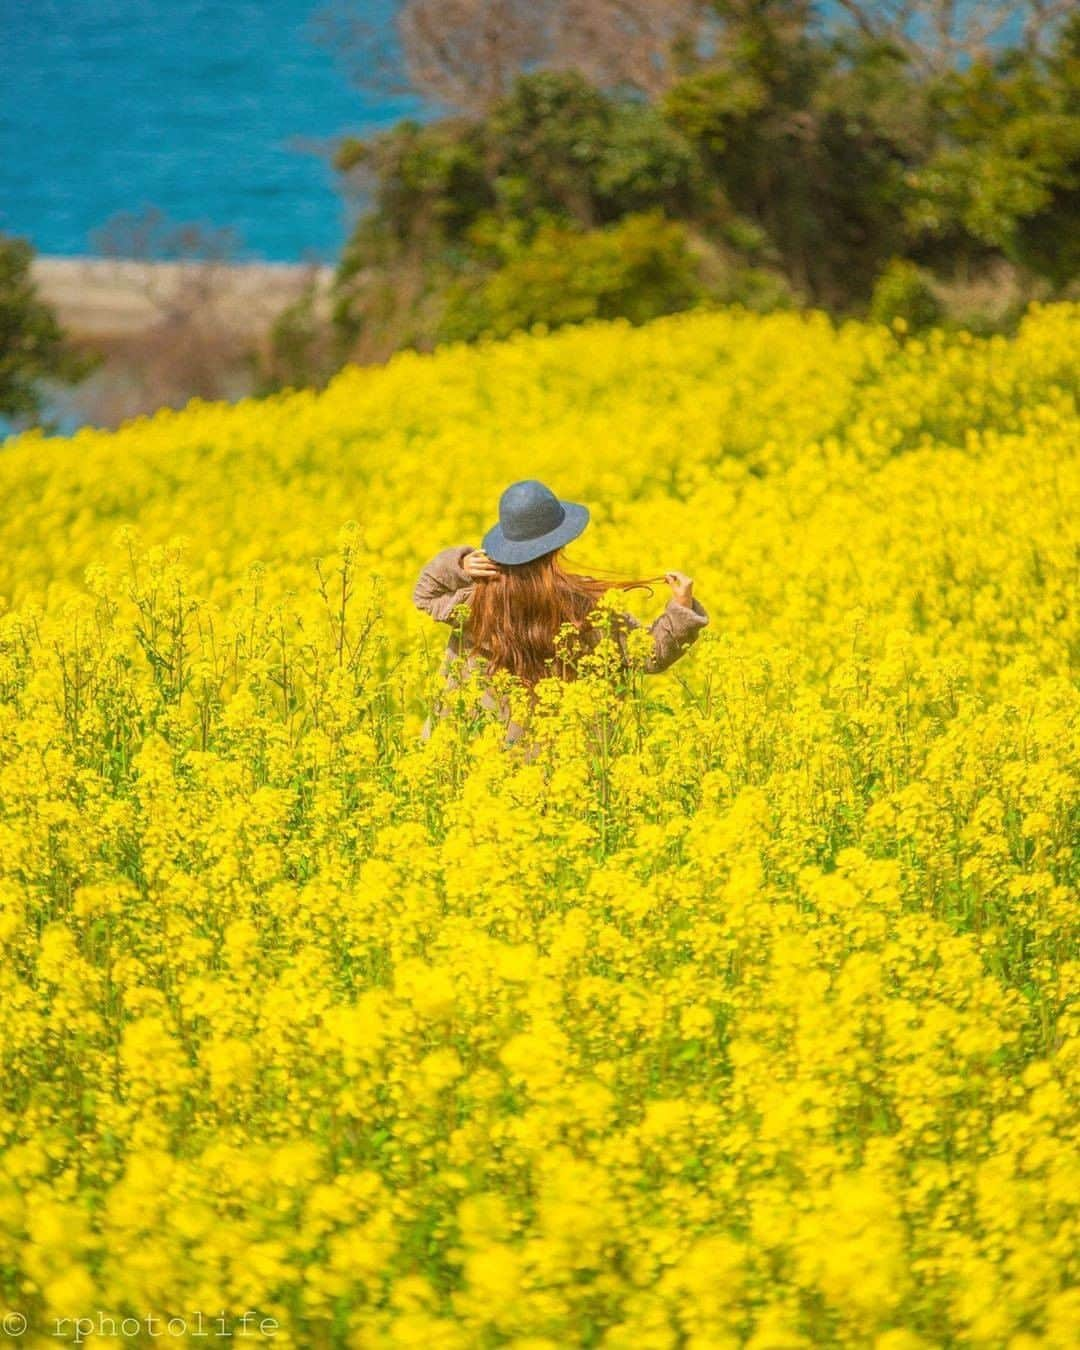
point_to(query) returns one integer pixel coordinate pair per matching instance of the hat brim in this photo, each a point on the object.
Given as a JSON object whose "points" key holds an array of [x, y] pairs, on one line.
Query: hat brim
{"points": [[502, 550]]}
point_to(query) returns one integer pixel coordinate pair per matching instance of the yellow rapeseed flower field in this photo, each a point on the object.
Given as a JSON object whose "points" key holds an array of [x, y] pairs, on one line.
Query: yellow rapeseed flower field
{"points": [[740, 1011]]}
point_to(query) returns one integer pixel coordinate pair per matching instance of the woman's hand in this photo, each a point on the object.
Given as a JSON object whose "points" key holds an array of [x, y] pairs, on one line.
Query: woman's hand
{"points": [[478, 565], [682, 588]]}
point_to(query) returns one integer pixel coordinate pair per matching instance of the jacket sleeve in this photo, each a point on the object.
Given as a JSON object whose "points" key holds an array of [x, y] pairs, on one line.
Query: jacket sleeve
{"points": [[675, 630], [443, 584]]}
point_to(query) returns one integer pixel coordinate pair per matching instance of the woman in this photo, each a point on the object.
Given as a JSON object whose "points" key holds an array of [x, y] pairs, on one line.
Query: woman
{"points": [[518, 598]]}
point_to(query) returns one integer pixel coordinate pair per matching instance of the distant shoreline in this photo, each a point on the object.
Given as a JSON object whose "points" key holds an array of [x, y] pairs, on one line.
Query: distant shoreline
{"points": [[112, 298]]}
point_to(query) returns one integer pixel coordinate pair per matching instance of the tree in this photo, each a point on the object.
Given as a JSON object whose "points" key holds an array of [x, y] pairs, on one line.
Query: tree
{"points": [[32, 344], [560, 146], [196, 335], [1004, 174], [463, 56], [806, 147], [198, 258], [942, 35], [642, 45], [466, 54]]}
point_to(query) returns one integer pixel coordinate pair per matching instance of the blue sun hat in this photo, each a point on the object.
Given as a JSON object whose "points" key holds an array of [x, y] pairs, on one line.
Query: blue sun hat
{"points": [[532, 521]]}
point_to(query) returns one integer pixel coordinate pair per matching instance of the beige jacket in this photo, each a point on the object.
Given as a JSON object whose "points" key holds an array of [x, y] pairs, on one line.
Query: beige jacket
{"points": [[443, 585]]}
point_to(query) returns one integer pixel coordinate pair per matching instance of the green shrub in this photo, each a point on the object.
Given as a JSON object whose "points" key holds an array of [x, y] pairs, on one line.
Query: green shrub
{"points": [[299, 351], [903, 291], [33, 346], [638, 269]]}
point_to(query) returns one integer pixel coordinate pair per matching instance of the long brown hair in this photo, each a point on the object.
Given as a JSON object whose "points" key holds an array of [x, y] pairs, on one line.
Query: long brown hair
{"points": [[514, 617]]}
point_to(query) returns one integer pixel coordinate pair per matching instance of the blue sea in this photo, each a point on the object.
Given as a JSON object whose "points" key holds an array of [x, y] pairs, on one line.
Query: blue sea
{"points": [[213, 111]]}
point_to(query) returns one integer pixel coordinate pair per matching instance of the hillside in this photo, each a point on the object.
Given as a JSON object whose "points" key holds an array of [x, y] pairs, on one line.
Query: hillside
{"points": [[736, 1015]]}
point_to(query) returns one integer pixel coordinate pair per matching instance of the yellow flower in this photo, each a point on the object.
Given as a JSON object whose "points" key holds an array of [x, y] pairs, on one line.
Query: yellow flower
{"points": [[733, 1006]]}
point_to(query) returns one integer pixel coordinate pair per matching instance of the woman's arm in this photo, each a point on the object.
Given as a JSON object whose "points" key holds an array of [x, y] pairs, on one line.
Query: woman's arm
{"points": [[444, 584], [676, 629]]}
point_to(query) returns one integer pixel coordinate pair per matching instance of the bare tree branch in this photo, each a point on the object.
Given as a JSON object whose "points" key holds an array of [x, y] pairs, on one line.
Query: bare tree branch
{"points": [[1042, 19], [199, 254], [631, 42], [464, 55], [938, 35], [366, 50]]}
